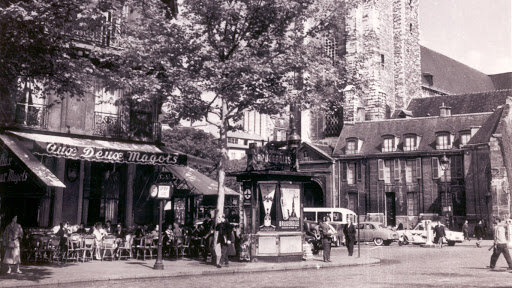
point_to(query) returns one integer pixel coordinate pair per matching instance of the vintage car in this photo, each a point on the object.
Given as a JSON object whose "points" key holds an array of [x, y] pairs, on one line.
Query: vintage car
{"points": [[376, 232], [418, 235]]}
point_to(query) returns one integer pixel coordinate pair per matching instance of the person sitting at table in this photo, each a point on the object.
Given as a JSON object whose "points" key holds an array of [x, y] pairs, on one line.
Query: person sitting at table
{"points": [[108, 227], [119, 231], [81, 229], [154, 231], [168, 240]]}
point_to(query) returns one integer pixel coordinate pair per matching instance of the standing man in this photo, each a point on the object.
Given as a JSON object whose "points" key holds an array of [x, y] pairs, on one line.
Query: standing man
{"points": [[12, 236], [350, 236], [440, 234], [465, 230], [224, 238], [500, 244], [479, 233], [326, 231]]}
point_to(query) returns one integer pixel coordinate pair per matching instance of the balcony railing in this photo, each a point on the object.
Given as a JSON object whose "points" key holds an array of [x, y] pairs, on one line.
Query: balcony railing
{"points": [[105, 33], [32, 115], [134, 128]]}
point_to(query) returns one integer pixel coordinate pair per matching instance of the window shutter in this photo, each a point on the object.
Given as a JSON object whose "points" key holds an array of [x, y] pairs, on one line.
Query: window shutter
{"points": [[381, 169], [344, 172], [359, 174], [435, 168], [418, 167], [397, 169]]}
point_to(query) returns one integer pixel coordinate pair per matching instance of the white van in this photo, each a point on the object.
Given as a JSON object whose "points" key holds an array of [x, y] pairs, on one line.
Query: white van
{"points": [[338, 218]]}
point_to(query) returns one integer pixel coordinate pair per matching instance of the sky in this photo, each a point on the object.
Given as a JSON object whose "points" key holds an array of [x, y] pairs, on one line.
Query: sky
{"points": [[477, 33]]}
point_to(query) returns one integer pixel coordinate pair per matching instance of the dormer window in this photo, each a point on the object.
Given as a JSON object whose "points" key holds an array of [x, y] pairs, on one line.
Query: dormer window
{"points": [[465, 136], [410, 143], [389, 143], [443, 140], [351, 147]]}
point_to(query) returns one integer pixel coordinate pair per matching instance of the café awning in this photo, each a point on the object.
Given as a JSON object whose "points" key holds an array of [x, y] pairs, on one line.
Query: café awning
{"points": [[198, 183], [37, 168], [100, 150]]}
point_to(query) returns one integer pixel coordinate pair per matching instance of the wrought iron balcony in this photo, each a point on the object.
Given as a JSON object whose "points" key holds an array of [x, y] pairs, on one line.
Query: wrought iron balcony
{"points": [[32, 115], [134, 127]]}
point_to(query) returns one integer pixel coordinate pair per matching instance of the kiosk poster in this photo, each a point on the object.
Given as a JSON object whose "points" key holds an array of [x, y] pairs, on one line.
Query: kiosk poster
{"points": [[290, 207], [268, 191]]}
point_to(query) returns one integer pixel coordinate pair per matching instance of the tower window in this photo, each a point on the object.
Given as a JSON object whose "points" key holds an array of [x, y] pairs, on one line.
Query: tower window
{"points": [[330, 48], [382, 59], [410, 27]]}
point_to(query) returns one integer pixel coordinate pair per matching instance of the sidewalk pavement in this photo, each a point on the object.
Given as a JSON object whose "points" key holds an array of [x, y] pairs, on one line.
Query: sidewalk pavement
{"points": [[53, 274]]}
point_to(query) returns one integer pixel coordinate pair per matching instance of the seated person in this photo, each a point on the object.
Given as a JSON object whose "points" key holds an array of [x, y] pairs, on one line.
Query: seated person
{"points": [[81, 229]]}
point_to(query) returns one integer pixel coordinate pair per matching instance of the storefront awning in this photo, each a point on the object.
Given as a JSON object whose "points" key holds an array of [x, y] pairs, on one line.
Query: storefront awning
{"points": [[100, 150], [31, 162], [199, 183]]}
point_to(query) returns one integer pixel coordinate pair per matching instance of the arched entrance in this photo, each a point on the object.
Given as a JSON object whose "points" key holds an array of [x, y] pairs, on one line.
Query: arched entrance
{"points": [[313, 195]]}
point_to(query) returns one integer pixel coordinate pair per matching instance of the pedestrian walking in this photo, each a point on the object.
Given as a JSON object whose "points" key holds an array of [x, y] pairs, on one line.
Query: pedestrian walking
{"points": [[440, 234], [12, 236], [500, 244], [465, 230], [479, 233], [327, 232], [350, 236]]}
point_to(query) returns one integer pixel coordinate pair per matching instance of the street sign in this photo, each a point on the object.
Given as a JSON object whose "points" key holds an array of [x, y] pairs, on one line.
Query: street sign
{"points": [[164, 192]]}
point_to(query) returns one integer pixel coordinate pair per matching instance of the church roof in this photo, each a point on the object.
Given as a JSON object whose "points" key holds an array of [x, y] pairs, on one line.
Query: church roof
{"points": [[370, 132], [483, 135], [460, 104], [450, 76]]}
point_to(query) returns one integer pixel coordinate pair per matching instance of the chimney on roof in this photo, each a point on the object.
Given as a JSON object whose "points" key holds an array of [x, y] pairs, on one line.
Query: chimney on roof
{"points": [[445, 110]]}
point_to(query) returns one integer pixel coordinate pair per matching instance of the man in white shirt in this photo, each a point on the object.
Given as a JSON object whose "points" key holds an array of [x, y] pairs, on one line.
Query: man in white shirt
{"points": [[500, 244]]}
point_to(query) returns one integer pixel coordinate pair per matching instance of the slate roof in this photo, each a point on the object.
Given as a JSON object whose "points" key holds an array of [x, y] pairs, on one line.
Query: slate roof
{"points": [[488, 127], [371, 132], [460, 104], [324, 150], [451, 76], [502, 80]]}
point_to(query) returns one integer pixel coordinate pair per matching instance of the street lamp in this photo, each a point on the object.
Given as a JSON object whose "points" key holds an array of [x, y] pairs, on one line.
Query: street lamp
{"points": [[445, 165], [293, 141]]}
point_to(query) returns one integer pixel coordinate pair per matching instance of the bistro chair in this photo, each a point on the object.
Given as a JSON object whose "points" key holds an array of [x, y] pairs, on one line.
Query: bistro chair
{"points": [[182, 246], [88, 248], [53, 249], [74, 247], [137, 246], [108, 245], [125, 248], [148, 246]]}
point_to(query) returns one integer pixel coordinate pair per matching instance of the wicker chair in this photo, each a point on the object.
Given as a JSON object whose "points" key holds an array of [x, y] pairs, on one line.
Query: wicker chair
{"points": [[88, 248], [148, 246], [108, 245], [74, 247]]}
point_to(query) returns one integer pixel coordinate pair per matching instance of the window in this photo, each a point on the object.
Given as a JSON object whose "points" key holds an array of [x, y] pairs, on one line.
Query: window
{"points": [[309, 216], [351, 173], [305, 156], [382, 60], [464, 138], [410, 143], [359, 172], [418, 168], [396, 169], [352, 201], [388, 145], [30, 108], [410, 171], [330, 48], [232, 140], [385, 170], [443, 141], [456, 167], [351, 147], [337, 216], [435, 168], [412, 204]]}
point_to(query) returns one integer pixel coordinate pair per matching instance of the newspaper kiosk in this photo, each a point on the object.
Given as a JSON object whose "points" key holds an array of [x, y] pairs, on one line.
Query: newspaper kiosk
{"points": [[272, 215]]}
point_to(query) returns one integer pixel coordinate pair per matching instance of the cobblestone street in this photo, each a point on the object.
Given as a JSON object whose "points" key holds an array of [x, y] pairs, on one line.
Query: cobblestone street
{"points": [[408, 266]]}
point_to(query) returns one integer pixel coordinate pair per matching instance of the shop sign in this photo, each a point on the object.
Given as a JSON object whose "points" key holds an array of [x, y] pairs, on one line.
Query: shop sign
{"points": [[9, 172], [112, 155], [247, 196]]}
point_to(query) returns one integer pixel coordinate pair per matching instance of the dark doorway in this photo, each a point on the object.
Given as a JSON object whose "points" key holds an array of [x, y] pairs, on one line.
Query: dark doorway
{"points": [[313, 195], [390, 209]]}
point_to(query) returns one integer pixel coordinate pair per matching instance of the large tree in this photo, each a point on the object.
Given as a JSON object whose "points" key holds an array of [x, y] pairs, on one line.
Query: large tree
{"points": [[252, 55]]}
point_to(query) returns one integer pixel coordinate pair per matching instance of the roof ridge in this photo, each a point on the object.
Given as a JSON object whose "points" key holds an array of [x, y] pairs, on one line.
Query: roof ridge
{"points": [[420, 118]]}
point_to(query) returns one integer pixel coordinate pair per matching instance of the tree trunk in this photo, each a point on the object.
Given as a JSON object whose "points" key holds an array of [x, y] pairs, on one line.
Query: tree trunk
{"points": [[224, 157]]}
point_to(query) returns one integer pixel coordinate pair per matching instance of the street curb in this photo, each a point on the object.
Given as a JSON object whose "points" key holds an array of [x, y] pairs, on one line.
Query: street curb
{"points": [[224, 270]]}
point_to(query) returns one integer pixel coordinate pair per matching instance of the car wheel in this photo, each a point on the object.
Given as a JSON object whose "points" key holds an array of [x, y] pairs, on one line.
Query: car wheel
{"points": [[378, 241], [387, 242], [451, 243]]}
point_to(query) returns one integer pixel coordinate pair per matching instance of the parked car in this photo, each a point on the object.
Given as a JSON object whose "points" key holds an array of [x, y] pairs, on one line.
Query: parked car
{"points": [[377, 233], [418, 235]]}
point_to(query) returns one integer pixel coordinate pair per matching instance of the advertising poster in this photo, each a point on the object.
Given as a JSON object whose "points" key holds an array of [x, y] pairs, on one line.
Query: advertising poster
{"points": [[290, 207]]}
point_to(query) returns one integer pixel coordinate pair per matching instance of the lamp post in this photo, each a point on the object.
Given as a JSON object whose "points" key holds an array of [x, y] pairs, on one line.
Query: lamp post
{"points": [[160, 192], [293, 141], [445, 165]]}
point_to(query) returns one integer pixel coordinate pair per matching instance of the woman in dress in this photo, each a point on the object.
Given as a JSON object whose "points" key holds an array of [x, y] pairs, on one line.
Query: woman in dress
{"points": [[13, 234]]}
